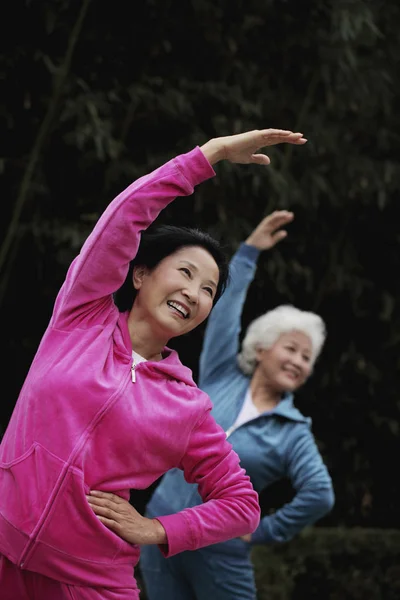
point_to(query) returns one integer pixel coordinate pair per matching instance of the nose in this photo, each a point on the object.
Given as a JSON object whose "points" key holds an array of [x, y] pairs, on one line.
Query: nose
{"points": [[191, 293], [297, 360]]}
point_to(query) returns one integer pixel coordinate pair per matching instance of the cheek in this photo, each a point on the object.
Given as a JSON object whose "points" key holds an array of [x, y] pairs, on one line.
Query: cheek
{"points": [[282, 357], [165, 283], [272, 366], [204, 311], [206, 304]]}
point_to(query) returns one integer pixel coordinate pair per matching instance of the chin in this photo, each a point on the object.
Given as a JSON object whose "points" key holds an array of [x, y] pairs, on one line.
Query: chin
{"points": [[288, 385], [178, 330]]}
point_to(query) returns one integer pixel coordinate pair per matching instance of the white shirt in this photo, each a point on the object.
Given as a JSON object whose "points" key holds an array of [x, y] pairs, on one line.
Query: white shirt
{"points": [[137, 358], [248, 411]]}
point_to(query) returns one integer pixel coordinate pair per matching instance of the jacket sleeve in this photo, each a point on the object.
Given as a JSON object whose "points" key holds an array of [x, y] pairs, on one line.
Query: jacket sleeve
{"points": [[314, 492], [230, 504], [103, 262], [221, 339]]}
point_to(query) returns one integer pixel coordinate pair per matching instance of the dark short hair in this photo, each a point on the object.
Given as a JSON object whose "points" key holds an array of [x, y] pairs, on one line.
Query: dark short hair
{"points": [[162, 241]]}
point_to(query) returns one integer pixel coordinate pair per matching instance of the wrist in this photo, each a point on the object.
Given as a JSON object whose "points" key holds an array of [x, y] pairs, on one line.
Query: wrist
{"points": [[253, 243], [158, 533], [213, 150]]}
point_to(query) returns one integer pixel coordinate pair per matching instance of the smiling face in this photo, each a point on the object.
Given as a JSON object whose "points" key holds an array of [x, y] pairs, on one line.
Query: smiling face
{"points": [[177, 295], [287, 364]]}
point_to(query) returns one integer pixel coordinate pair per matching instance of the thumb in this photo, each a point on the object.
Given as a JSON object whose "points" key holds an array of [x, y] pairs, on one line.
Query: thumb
{"points": [[260, 159], [278, 236]]}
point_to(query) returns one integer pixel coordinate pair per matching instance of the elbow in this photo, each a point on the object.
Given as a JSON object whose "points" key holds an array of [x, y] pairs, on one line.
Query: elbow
{"points": [[247, 513], [331, 499], [254, 521], [253, 516], [326, 501]]}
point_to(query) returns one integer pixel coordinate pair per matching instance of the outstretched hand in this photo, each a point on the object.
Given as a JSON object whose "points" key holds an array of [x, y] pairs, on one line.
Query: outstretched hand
{"points": [[268, 232], [123, 519], [244, 148]]}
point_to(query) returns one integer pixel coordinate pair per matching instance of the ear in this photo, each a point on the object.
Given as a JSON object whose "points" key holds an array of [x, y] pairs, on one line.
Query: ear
{"points": [[138, 275], [259, 353]]}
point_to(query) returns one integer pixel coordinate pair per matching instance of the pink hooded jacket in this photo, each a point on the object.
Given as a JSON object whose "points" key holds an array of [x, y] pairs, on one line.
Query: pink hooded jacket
{"points": [[81, 423]]}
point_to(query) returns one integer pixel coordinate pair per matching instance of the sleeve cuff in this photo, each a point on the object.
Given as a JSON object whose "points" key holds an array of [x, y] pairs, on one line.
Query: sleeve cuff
{"points": [[194, 166], [179, 534], [247, 251]]}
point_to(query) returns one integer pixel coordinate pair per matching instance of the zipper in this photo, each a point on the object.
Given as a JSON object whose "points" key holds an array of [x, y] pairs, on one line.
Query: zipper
{"points": [[134, 368], [133, 374], [47, 511]]}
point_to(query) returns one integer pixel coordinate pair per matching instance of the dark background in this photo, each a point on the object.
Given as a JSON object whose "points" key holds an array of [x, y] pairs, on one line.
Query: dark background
{"points": [[95, 94]]}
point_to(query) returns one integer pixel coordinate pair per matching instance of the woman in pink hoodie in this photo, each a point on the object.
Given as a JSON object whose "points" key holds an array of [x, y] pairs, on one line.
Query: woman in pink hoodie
{"points": [[106, 407]]}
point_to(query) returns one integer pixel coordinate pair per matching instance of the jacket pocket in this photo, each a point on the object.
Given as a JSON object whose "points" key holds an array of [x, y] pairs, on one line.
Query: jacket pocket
{"points": [[73, 528], [26, 484]]}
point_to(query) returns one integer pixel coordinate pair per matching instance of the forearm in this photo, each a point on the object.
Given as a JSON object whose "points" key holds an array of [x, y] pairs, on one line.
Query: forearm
{"points": [[308, 475], [212, 522], [230, 504], [221, 338], [307, 507]]}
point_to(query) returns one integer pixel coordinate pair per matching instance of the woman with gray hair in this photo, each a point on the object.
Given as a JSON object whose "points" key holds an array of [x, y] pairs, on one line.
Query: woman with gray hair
{"points": [[267, 329], [252, 393]]}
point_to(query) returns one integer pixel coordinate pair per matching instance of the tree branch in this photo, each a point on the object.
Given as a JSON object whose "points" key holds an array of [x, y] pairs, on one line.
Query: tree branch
{"points": [[6, 256]]}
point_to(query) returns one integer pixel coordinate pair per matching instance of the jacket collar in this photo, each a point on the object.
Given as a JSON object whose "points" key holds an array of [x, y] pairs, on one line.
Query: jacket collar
{"points": [[286, 409], [170, 366]]}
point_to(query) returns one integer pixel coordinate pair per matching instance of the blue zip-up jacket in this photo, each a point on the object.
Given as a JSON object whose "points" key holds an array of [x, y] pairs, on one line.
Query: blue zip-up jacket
{"points": [[277, 444]]}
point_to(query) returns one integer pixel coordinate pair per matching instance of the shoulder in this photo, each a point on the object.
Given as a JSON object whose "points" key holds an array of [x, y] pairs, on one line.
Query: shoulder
{"points": [[289, 412], [296, 437]]}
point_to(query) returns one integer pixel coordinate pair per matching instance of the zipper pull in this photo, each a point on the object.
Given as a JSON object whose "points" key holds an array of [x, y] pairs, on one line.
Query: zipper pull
{"points": [[133, 372]]}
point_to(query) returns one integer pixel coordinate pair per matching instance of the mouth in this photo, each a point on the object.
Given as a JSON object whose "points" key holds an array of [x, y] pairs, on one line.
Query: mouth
{"points": [[179, 309], [293, 375]]}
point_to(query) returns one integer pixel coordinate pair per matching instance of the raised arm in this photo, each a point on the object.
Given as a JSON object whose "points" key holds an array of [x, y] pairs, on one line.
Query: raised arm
{"points": [[102, 265], [221, 340], [103, 262], [314, 492]]}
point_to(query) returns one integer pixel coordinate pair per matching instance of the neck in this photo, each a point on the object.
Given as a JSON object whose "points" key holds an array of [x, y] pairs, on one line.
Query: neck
{"points": [[263, 395], [144, 340]]}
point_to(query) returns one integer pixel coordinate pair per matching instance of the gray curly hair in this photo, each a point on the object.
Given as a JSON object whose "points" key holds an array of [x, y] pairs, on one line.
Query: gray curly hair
{"points": [[264, 331]]}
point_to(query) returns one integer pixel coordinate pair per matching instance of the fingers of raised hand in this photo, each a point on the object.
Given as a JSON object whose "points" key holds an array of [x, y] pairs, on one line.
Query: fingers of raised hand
{"points": [[277, 136], [277, 219]]}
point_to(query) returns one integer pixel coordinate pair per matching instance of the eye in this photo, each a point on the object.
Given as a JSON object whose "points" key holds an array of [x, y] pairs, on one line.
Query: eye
{"points": [[186, 271], [291, 348], [209, 291], [306, 358]]}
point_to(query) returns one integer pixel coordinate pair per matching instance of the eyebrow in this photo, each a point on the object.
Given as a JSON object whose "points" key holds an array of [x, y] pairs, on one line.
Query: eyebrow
{"points": [[296, 343], [193, 266]]}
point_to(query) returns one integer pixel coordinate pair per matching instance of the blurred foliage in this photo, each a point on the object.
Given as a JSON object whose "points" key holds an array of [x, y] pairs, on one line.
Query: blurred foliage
{"points": [[95, 97], [327, 564], [333, 564]]}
